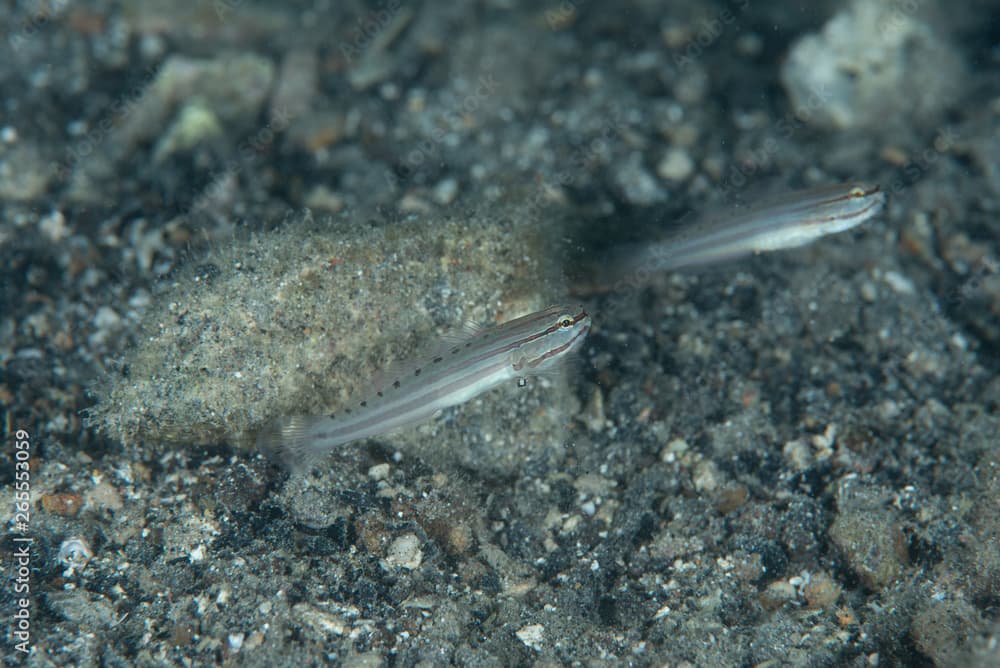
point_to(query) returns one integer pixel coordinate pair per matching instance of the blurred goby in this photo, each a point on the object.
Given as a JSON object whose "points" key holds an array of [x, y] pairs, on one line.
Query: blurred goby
{"points": [[527, 346], [788, 221]]}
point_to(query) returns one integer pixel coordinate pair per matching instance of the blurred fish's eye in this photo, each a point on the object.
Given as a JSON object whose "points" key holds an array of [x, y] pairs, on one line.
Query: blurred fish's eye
{"points": [[566, 322]]}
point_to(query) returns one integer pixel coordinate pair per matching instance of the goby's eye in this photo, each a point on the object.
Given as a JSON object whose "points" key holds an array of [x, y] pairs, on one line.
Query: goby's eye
{"points": [[566, 322]]}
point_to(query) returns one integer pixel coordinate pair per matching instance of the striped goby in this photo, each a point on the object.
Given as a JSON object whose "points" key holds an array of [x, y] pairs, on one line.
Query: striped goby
{"points": [[527, 346], [787, 221]]}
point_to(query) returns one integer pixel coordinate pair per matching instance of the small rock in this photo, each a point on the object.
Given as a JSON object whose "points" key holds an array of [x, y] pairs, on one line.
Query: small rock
{"points": [[732, 498], [532, 635], [107, 318], [798, 454], [676, 165], [850, 74], [594, 416], [872, 544], [54, 227], [323, 623], [194, 125], [379, 471], [706, 476], [777, 594], [636, 185], [24, 174], [321, 198], [404, 552], [943, 629], [822, 591], [446, 191], [65, 505], [296, 84]]}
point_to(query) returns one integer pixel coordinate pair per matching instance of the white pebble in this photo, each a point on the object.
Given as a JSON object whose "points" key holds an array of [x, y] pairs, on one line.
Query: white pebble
{"points": [[404, 552], [532, 635], [446, 191], [379, 471], [675, 166], [107, 318], [901, 284]]}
